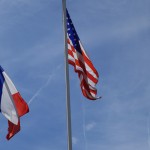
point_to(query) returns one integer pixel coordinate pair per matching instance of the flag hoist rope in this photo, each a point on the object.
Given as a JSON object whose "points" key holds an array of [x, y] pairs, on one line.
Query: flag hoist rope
{"points": [[68, 110]]}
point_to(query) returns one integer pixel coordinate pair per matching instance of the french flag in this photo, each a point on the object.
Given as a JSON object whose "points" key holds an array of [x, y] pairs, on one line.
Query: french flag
{"points": [[12, 105]]}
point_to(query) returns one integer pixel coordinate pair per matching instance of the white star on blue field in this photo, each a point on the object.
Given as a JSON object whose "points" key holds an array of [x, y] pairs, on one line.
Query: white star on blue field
{"points": [[116, 36]]}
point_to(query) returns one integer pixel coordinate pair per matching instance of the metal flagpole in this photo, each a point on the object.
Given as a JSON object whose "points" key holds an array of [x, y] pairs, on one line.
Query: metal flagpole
{"points": [[69, 132]]}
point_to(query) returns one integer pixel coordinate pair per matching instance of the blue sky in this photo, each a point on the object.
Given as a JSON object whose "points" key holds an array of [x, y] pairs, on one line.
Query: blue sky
{"points": [[116, 35]]}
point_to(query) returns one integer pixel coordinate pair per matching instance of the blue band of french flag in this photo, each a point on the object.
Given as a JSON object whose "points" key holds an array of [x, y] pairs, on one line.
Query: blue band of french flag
{"points": [[1, 83]]}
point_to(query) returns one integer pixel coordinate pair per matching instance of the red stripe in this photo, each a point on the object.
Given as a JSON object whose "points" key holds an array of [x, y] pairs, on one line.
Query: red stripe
{"points": [[87, 73], [21, 105], [70, 53], [89, 63]]}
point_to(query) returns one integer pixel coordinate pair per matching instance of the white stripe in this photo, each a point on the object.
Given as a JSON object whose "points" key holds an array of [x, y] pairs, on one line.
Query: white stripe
{"points": [[7, 106], [88, 68], [83, 49], [93, 88], [90, 83], [69, 46], [90, 94], [90, 71], [71, 58], [10, 84], [88, 80]]}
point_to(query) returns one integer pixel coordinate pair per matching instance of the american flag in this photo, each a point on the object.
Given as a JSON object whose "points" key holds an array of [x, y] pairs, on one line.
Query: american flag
{"points": [[77, 57]]}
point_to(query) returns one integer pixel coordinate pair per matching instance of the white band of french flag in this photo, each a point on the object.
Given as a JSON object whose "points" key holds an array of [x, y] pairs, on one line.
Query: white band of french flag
{"points": [[7, 104]]}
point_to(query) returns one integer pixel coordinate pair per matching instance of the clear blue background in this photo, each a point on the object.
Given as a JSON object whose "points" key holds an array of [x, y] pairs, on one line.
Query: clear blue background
{"points": [[116, 35]]}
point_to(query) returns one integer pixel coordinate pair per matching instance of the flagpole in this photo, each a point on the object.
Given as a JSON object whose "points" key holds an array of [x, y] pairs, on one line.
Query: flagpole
{"points": [[68, 109]]}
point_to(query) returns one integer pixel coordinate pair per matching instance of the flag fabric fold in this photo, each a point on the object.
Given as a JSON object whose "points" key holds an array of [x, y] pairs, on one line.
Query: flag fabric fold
{"points": [[12, 129], [12, 105], [78, 58]]}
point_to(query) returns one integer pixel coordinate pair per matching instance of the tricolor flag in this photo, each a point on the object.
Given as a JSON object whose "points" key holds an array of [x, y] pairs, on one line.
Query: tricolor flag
{"points": [[77, 57], [12, 105]]}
